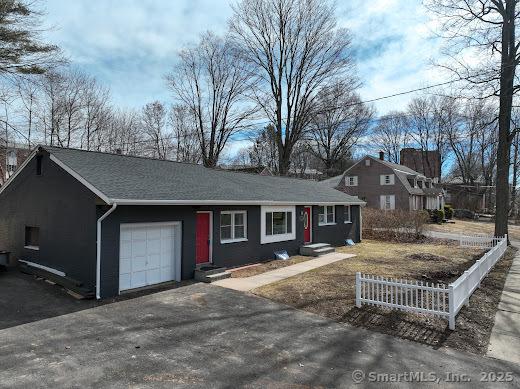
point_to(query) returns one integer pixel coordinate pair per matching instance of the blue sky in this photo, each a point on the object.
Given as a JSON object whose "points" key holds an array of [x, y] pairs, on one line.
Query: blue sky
{"points": [[129, 45]]}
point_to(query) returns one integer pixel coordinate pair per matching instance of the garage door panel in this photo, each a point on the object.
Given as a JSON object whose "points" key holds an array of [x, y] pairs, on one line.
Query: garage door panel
{"points": [[139, 279], [138, 248], [139, 263], [148, 255], [125, 266], [154, 261], [153, 276], [154, 246], [153, 233], [125, 281]]}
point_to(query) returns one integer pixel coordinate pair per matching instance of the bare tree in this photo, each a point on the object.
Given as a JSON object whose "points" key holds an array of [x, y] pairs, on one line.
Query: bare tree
{"points": [[391, 134], [185, 139], [264, 152], [153, 119], [295, 47], [94, 102], [210, 80], [487, 30], [428, 119], [340, 119]]}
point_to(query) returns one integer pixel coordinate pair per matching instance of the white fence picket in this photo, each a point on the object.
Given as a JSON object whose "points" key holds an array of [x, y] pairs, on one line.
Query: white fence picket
{"points": [[440, 300]]}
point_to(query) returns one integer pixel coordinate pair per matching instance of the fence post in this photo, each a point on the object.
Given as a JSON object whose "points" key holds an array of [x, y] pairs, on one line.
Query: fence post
{"points": [[451, 307], [358, 289], [460, 238]]}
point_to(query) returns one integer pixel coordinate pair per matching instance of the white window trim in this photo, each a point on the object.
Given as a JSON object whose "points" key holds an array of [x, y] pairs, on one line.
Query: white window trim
{"points": [[233, 213], [333, 213], [354, 181], [280, 237], [37, 248], [349, 221]]}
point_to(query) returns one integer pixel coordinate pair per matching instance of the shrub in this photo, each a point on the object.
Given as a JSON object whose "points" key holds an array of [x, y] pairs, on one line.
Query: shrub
{"points": [[437, 215], [393, 225], [463, 214], [448, 211]]}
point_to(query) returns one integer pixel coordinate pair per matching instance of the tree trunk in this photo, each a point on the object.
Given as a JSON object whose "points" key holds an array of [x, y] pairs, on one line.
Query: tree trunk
{"points": [[513, 208], [507, 72]]}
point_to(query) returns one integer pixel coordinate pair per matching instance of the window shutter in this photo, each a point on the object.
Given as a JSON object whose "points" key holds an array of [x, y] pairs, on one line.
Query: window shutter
{"points": [[382, 179], [392, 202], [392, 179], [382, 201], [355, 180]]}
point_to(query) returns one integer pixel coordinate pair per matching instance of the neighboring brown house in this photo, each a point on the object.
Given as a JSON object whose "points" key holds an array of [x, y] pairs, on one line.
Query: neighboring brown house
{"points": [[424, 162], [11, 157], [387, 185]]}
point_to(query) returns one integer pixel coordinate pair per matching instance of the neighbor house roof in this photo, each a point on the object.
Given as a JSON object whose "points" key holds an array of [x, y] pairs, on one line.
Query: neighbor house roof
{"points": [[403, 173], [137, 180], [332, 182]]}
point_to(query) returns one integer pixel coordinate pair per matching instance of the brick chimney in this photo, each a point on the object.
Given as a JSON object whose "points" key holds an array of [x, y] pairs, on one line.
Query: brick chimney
{"points": [[382, 155]]}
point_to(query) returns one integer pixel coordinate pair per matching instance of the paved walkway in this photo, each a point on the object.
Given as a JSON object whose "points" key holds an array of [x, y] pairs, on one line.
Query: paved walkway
{"points": [[505, 336], [249, 283]]}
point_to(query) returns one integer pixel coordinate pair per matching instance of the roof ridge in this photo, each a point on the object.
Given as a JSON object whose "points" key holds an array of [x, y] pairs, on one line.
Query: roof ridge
{"points": [[176, 162]]}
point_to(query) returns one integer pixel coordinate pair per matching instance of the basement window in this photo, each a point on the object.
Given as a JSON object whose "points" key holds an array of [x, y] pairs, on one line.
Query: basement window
{"points": [[32, 238]]}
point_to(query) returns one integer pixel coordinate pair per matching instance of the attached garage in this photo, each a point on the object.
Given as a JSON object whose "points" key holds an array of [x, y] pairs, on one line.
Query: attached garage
{"points": [[149, 254]]}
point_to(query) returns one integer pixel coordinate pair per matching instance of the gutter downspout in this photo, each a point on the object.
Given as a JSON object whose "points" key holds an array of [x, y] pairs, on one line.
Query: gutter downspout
{"points": [[98, 252]]}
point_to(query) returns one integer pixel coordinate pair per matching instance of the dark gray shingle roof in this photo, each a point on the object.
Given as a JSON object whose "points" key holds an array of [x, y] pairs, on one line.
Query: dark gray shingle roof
{"points": [[134, 178]]}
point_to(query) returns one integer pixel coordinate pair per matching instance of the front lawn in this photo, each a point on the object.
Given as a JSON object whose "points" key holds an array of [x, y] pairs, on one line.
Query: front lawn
{"points": [[473, 227], [330, 291]]}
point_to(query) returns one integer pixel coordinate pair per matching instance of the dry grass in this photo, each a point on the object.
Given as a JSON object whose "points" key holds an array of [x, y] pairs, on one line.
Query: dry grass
{"points": [[330, 291], [476, 227], [267, 266]]}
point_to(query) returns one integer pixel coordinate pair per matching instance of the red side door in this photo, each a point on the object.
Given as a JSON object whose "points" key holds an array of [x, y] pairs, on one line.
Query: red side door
{"points": [[202, 238], [307, 225]]}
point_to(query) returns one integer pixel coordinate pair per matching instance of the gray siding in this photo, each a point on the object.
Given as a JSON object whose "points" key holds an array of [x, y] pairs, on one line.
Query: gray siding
{"points": [[227, 254], [369, 187], [65, 212]]}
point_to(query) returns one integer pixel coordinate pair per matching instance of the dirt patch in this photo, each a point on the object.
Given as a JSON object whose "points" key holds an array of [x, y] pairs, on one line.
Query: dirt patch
{"points": [[330, 291], [267, 266], [426, 257]]}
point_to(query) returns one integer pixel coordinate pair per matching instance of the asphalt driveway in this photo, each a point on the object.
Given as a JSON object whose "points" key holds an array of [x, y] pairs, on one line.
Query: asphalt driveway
{"points": [[25, 298], [206, 336]]}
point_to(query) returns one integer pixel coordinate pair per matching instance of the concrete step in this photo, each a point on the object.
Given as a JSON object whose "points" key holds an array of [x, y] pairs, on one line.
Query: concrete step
{"points": [[211, 275], [316, 245], [316, 249]]}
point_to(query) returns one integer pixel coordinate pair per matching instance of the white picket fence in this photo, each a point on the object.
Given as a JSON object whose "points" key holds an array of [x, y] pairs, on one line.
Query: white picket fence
{"points": [[428, 298]]}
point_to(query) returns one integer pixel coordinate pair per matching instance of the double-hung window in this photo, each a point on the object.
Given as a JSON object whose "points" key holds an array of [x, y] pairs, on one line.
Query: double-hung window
{"points": [[326, 215], [233, 226], [278, 224], [347, 215]]}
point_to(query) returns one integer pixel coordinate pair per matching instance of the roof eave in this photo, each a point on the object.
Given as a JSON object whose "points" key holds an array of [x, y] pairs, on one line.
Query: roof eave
{"points": [[230, 202]]}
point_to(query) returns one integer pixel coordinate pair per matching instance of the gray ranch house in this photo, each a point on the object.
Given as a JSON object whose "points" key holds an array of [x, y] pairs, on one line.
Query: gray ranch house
{"points": [[107, 223], [386, 185]]}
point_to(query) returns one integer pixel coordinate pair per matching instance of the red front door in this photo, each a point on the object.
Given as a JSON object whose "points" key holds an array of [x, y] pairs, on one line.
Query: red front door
{"points": [[307, 224], [202, 238]]}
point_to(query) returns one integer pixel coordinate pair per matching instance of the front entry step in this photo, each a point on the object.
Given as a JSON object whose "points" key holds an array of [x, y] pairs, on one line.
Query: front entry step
{"points": [[210, 273], [316, 249]]}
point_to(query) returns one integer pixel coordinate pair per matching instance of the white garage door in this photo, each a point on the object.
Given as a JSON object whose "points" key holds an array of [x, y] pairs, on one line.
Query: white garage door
{"points": [[149, 254]]}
